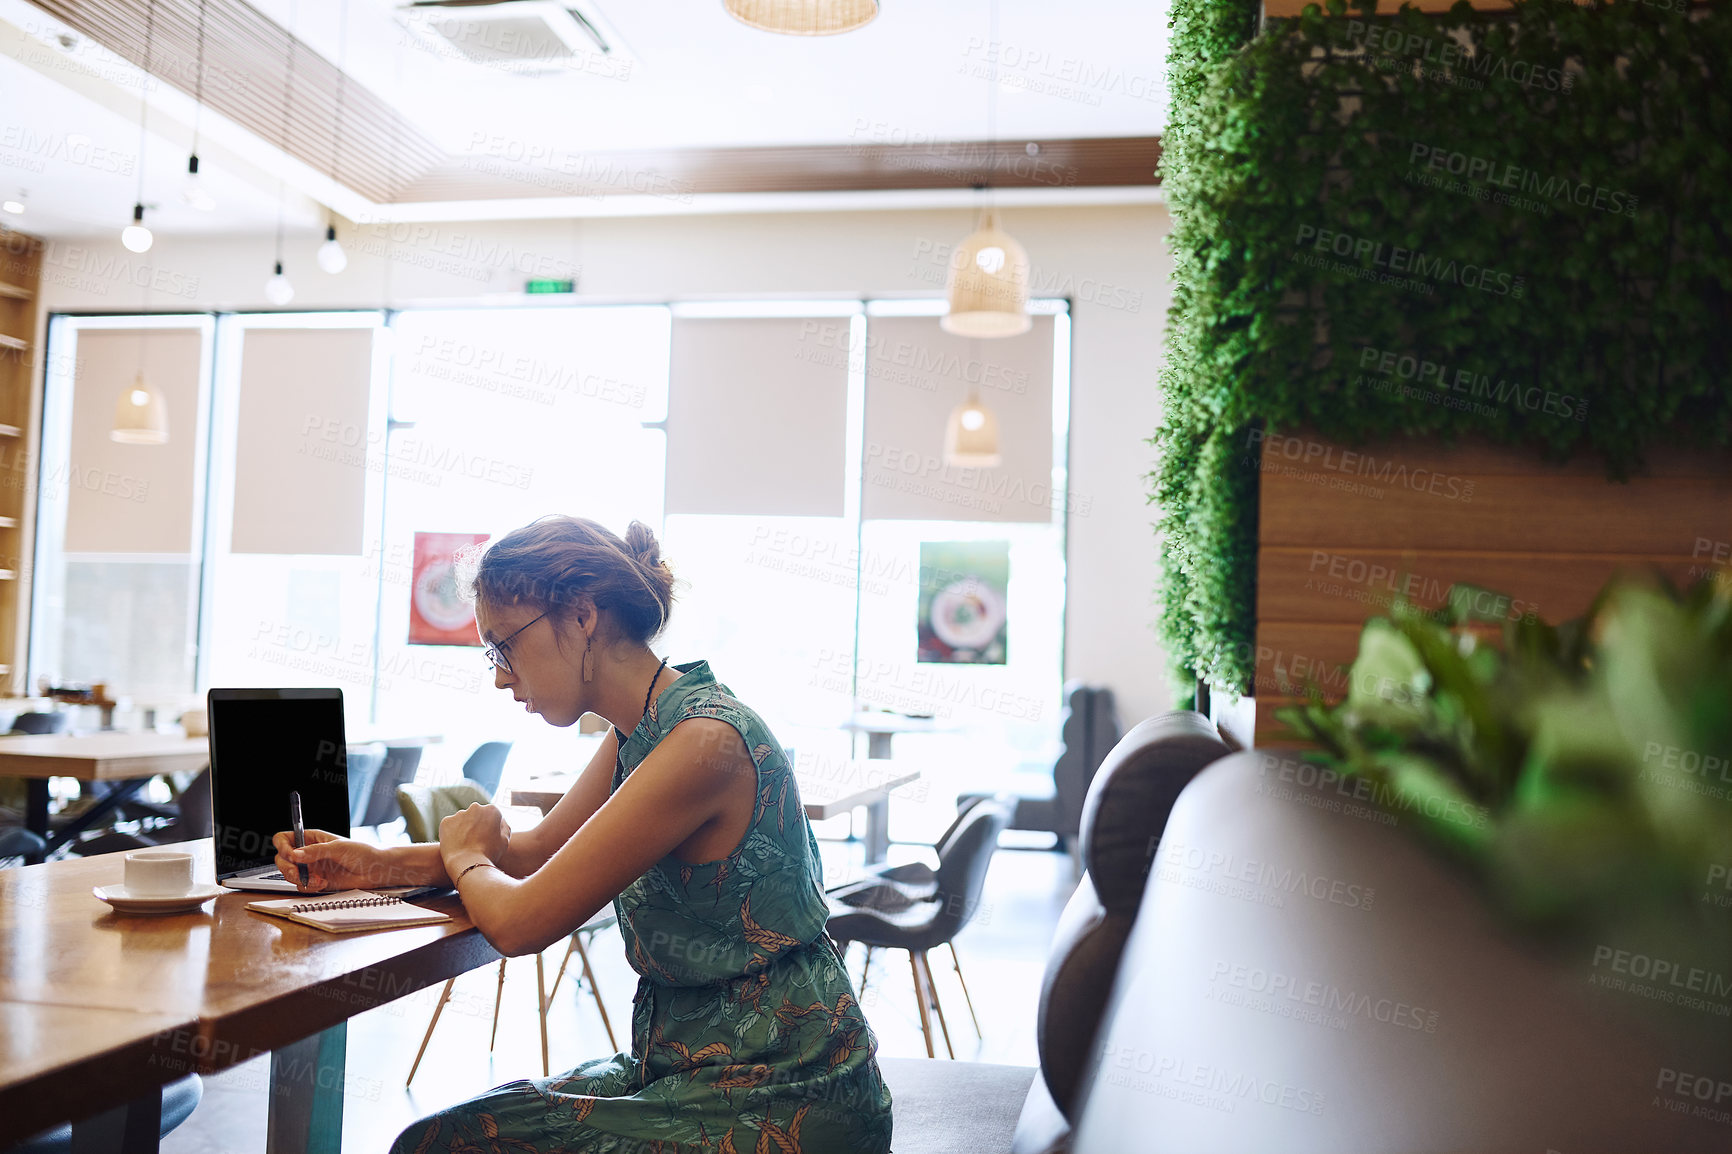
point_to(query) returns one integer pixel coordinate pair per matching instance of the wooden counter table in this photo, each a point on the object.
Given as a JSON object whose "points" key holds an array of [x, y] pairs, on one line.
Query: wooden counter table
{"points": [[100, 1008]]}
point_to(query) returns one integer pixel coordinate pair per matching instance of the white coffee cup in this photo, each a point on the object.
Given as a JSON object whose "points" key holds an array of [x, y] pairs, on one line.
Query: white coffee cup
{"points": [[158, 873]]}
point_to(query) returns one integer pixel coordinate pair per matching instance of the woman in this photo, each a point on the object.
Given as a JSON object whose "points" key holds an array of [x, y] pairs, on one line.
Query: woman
{"points": [[745, 1032]]}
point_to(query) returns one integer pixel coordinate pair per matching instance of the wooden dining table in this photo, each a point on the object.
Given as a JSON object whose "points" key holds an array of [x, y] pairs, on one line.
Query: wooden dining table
{"points": [[128, 760], [880, 726], [98, 1010], [829, 787]]}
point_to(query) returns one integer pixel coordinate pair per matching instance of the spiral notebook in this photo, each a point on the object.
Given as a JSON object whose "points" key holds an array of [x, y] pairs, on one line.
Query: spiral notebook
{"points": [[349, 910]]}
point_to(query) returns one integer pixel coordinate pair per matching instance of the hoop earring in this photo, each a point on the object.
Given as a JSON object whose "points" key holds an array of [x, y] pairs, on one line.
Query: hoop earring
{"points": [[588, 666]]}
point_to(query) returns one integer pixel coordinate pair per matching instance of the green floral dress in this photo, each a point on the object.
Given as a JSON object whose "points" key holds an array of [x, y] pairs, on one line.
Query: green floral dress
{"points": [[746, 1037]]}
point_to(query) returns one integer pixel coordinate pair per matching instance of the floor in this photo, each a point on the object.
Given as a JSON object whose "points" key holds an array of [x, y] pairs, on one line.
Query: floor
{"points": [[1002, 952]]}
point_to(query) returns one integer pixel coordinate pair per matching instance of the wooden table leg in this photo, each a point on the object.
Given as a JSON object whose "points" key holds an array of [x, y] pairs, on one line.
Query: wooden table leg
{"points": [[135, 1128], [306, 1110], [541, 1001]]}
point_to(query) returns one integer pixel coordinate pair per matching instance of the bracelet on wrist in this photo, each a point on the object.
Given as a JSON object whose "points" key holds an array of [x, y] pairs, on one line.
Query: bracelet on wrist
{"points": [[470, 866]]}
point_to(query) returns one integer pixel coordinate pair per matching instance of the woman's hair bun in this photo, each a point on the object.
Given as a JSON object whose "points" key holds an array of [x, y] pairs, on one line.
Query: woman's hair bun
{"points": [[640, 540], [641, 544]]}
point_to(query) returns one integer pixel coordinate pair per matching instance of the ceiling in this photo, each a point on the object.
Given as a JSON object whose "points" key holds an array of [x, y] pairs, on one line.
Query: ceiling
{"points": [[690, 84], [699, 78]]}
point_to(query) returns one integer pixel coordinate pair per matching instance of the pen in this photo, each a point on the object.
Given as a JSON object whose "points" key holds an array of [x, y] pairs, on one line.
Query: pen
{"points": [[300, 832]]}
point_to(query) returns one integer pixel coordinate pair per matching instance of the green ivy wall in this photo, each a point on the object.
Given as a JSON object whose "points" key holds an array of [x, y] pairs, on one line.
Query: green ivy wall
{"points": [[1505, 225]]}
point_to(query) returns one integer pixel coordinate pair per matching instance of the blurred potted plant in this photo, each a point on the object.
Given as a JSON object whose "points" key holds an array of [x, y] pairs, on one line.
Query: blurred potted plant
{"points": [[1583, 771]]}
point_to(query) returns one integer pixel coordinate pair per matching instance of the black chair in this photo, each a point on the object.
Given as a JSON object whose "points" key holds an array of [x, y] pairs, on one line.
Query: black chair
{"points": [[487, 765], [16, 803], [913, 880], [18, 842], [363, 765], [178, 1100], [189, 814], [893, 888], [40, 722], [402, 763], [1090, 729], [925, 924]]}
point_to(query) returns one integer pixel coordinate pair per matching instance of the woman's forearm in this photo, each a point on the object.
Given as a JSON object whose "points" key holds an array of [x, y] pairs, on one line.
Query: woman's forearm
{"points": [[523, 856], [409, 865], [512, 913]]}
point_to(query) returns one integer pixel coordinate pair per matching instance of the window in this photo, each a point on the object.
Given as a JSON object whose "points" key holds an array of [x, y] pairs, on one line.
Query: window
{"points": [[789, 455], [297, 496], [119, 527]]}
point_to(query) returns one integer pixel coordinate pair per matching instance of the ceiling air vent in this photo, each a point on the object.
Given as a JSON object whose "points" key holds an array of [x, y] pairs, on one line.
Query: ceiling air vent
{"points": [[527, 36]]}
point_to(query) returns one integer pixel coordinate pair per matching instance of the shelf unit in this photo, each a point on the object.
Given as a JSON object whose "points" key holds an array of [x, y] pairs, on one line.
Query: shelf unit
{"points": [[20, 277]]}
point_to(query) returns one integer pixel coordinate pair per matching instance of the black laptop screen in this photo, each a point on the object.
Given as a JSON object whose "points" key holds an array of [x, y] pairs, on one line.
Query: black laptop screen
{"points": [[263, 745]]}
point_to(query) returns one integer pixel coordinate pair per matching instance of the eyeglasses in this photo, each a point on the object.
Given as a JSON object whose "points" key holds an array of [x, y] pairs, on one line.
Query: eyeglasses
{"points": [[495, 653]]}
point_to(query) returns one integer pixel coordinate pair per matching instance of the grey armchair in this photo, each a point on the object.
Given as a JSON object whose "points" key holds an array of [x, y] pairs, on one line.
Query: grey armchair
{"points": [[1090, 729]]}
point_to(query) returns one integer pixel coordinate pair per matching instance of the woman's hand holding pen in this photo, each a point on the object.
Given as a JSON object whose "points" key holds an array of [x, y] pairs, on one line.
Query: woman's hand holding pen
{"points": [[477, 832], [333, 863]]}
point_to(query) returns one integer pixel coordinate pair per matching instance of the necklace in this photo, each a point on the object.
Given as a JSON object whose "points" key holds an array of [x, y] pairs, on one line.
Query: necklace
{"points": [[648, 693]]}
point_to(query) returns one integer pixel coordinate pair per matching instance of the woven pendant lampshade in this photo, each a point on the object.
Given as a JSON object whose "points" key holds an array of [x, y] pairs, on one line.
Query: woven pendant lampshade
{"points": [[803, 17], [140, 417], [971, 437], [988, 285]]}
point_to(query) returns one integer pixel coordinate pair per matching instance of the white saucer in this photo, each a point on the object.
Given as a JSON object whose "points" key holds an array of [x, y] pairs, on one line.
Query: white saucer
{"points": [[125, 903]]}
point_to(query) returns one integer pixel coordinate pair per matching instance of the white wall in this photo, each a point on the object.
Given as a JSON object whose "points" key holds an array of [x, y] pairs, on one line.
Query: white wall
{"points": [[1111, 261]]}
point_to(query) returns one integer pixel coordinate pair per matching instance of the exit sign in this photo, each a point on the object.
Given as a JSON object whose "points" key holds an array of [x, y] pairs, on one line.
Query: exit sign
{"points": [[544, 285]]}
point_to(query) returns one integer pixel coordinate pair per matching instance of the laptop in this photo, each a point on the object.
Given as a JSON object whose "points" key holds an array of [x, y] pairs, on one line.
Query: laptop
{"points": [[264, 744]]}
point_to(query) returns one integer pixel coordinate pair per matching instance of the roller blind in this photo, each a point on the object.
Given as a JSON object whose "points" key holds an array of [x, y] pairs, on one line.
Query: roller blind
{"points": [[303, 446], [916, 373], [132, 498], [757, 416]]}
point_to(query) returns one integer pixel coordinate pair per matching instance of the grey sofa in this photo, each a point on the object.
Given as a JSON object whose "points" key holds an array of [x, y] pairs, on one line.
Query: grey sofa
{"points": [[1302, 973], [972, 1106]]}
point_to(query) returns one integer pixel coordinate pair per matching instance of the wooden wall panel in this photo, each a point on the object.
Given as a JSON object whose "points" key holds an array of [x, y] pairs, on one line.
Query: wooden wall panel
{"points": [[1659, 517], [1346, 585], [1342, 531], [1290, 655], [1270, 729]]}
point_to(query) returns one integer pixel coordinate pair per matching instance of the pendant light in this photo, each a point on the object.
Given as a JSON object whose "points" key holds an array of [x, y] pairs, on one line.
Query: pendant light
{"points": [[331, 256], [988, 287], [140, 417], [989, 274], [803, 17], [140, 414], [193, 191], [135, 236], [971, 437], [278, 290]]}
